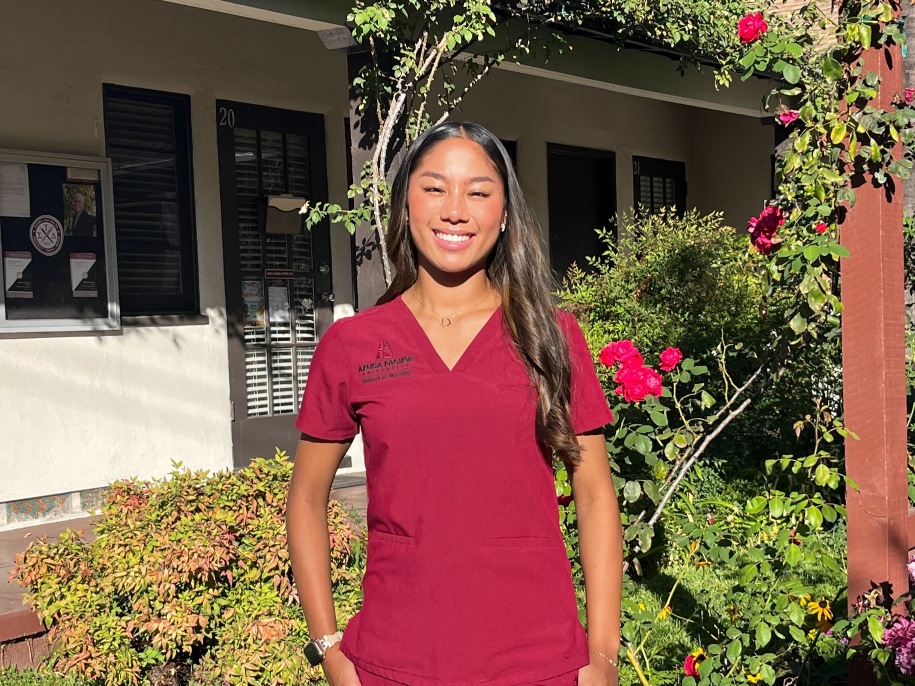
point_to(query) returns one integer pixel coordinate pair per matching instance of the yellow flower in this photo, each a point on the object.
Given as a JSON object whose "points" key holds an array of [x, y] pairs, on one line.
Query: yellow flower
{"points": [[820, 609], [704, 563], [693, 546], [812, 634], [733, 612], [754, 678], [642, 606], [665, 612], [804, 599], [699, 654]]}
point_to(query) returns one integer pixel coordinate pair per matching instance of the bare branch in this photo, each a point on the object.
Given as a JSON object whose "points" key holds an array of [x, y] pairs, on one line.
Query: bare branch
{"points": [[695, 456]]}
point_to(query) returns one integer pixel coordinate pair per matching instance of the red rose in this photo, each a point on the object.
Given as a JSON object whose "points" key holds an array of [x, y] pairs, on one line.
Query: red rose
{"points": [[764, 227], [909, 95], [689, 666], [751, 27], [821, 228], [564, 500], [670, 358], [636, 383], [608, 355], [788, 117]]}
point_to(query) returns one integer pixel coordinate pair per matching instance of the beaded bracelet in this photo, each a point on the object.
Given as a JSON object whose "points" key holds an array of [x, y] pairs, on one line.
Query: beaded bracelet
{"points": [[613, 663]]}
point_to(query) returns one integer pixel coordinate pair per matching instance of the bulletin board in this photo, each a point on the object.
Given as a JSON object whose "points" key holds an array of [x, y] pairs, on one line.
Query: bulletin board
{"points": [[59, 266]]}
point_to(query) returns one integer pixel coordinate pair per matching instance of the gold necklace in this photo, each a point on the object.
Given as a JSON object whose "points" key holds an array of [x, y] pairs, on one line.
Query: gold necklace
{"points": [[446, 318]]}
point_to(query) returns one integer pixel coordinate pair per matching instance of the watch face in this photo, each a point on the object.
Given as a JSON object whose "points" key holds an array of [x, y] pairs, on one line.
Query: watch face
{"points": [[314, 653], [47, 234]]}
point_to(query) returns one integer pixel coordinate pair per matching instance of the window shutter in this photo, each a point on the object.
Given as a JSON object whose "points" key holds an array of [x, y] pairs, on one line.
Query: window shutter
{"points": [[148, 141]]}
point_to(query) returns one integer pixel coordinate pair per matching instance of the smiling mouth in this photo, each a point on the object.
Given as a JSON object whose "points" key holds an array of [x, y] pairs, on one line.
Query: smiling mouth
{"points": [[453, 237]]}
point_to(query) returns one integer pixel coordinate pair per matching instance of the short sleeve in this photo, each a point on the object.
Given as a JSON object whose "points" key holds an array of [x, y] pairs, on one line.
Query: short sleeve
{"points": [[588, 403], [326, 412]]}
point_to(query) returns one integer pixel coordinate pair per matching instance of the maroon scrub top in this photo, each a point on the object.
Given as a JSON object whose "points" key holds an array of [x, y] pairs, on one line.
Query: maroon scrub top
{"points": [[467, 578]]}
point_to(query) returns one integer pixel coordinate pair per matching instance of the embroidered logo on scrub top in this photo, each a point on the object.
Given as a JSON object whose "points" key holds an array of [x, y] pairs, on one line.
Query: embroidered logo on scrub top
{"points": [[384, 352], [385, 366]]}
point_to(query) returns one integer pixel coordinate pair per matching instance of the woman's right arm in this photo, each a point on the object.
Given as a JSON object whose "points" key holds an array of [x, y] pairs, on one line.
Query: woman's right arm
{"points": [[316, 463]]}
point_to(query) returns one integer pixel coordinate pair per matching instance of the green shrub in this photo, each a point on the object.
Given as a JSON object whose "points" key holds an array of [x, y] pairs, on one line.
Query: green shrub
{"points": [[10, 676], [188, 578]]}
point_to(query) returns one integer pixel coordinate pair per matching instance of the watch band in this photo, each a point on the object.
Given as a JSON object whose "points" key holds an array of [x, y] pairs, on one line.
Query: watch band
{"points": [[330, 640]]}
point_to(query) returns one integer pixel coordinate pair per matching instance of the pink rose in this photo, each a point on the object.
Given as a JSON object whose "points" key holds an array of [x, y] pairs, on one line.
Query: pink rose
{"points": [[689, 666], [789, 117], [764, 227], [821, 227], [670, 358], [909, 95], [751, 27]]}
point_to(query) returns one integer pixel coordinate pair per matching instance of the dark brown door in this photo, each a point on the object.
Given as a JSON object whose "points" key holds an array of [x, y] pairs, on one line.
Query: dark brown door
{"points": [[279, 297], [582, 197]]}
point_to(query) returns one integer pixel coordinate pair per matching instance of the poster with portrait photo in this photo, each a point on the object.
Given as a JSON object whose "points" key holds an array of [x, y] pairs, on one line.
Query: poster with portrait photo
{"points": [[80, 215]]}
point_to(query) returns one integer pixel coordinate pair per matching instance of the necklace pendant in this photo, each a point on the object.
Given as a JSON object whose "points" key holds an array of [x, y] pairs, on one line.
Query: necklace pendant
{"points": [[446, 321]]}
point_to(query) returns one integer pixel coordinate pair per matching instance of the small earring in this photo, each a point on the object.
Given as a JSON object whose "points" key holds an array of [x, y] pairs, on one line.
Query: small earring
{"points": [[503, 228]]}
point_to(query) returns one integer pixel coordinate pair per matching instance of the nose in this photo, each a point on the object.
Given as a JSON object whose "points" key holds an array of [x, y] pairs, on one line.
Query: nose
{"points": [[454, 208]]}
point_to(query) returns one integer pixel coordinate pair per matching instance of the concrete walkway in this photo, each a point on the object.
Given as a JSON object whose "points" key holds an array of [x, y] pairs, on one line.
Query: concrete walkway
{"points": [[18, 622]]}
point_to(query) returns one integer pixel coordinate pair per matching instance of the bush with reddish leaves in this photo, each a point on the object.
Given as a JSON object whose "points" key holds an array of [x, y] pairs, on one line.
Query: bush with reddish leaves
{"points": [[189, 578]]}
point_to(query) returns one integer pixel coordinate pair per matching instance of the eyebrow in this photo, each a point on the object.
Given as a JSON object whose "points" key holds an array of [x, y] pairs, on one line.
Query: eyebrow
{"points": [[475, 179]]}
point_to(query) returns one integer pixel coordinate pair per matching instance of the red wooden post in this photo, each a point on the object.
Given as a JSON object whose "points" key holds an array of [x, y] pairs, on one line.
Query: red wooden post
{"points": [[873, 352]]}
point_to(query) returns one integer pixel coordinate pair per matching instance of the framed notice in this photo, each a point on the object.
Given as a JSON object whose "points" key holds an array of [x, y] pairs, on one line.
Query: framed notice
{"points": [[59, 267]]}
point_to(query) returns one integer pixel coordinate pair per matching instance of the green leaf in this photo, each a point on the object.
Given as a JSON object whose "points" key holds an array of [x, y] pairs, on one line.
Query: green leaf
{"points": [[832, 69], [796, 614], [798, 324], [776, 507], [814, 517], [821, 474], [651, 490], [797, 634], [837, 135], [707, 399], [792, 73], [733, 652], [632, 491], [793, 554], [748, 573], [680, 440], [756, 505], [763, 635]]}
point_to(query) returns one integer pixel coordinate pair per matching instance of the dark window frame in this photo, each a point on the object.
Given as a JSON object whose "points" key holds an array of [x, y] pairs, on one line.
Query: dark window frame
{"points": [[155, 308], [658, 168]]}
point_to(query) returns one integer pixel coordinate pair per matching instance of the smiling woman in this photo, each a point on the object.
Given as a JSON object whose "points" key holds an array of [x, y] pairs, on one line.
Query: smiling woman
{"points": [[464, 380]]}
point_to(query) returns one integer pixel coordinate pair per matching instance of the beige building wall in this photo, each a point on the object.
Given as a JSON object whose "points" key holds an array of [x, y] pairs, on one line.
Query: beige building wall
{"points": [[727, 156], [82, 410]]}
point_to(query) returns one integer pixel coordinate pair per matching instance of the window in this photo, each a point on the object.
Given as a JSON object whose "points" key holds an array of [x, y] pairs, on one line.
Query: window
{"points": [[147, 134], [659, 183]]}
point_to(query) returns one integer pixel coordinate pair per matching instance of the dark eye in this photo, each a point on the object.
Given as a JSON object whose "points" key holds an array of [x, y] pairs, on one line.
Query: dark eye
{"points": [[480, 194], [433, 189]]}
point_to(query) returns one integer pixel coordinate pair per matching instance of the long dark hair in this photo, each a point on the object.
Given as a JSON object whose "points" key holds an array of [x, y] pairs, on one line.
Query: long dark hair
{"points": [[516, 267]]}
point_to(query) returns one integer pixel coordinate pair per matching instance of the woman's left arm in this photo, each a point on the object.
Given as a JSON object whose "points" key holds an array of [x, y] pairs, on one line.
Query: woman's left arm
{"points": [[600, 539]]}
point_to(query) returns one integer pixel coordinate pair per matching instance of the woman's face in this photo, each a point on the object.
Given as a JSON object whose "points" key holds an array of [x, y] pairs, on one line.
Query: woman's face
{"points": [[456, 204]]}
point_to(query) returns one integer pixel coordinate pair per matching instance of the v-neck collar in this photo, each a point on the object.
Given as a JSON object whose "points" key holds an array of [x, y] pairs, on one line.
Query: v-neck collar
{"points": [[470, 352]]}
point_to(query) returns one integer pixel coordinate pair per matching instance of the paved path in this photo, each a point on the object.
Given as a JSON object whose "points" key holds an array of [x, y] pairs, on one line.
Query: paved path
{"points": [[17, 621]]}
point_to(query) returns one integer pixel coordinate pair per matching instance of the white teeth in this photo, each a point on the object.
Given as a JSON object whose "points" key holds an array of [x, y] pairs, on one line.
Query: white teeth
{"points": [[453, 238]]}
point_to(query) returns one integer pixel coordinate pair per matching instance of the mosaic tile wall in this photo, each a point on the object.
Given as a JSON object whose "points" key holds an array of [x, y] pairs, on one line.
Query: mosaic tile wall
{"points": [[18, 512]]}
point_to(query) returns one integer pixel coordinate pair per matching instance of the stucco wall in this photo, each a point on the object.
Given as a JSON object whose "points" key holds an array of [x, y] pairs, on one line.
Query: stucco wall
{"points": [[80, 411], [727, 156]]}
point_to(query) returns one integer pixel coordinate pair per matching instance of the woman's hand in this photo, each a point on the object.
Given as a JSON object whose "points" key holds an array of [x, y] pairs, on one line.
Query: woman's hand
{"points": [[338, 670], [598, 673]]}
